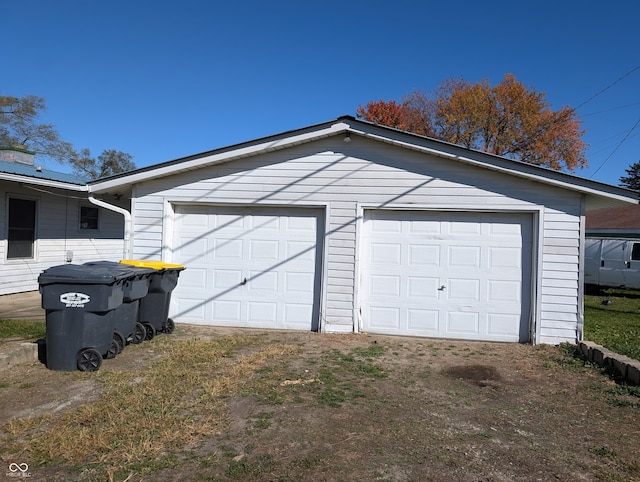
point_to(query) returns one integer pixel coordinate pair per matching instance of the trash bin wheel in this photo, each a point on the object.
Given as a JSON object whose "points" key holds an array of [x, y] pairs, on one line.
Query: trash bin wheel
{"points": [[89, 360], [113, 349], [139, 333], [169, 326], [120, 340], [150, 331]]}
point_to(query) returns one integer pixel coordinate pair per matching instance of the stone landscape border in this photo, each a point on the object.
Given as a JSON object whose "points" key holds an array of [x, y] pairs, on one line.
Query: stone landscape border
{"points": [[628, 368]]}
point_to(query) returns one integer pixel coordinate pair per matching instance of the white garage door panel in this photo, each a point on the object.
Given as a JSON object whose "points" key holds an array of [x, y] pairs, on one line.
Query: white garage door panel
{"points": [[248, 267], [449, 275], [423, 321]]}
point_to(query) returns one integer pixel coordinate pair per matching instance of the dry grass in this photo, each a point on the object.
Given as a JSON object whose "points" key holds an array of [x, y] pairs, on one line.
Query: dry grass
{"points": [[145, 417], [217, 404]]}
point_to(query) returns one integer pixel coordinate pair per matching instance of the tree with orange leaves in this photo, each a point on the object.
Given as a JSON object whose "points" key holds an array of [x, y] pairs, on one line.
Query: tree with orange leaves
{"points": [[507, 120]]}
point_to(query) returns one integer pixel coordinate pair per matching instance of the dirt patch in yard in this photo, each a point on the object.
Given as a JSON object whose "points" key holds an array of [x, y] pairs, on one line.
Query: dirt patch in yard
{"points": [[249, 405]]}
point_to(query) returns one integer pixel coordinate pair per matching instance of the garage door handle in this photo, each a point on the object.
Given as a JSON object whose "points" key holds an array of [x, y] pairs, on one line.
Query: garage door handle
{"points": [[244, 282], [442, 288]]}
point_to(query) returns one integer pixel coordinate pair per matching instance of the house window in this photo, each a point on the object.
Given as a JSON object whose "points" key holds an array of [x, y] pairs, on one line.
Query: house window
{"points": [[22, 229], [88, 217]]}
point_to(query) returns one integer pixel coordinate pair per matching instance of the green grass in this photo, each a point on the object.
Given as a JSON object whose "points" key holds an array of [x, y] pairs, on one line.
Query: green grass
{"points": [[22, 329], [615, 326], [344, 375]]}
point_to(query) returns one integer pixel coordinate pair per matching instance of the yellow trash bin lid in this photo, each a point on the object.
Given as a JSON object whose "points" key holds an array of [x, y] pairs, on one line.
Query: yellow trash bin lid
{"points": [[149, 263]]}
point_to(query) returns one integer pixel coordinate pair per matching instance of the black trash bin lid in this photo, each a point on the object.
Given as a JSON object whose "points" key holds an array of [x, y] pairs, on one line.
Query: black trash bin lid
{"points": [[81, 274], [119, 268]]}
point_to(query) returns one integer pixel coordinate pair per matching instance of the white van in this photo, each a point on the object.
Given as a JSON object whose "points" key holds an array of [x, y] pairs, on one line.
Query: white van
{"points": [[612, 262]]}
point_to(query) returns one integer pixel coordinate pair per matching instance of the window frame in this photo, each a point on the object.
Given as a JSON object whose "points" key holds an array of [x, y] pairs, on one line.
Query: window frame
{"points": [[80, 218], [33, 229]]}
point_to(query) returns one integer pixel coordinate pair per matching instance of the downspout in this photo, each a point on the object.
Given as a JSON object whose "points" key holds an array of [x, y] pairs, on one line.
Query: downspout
{"points": [[127, 221]]}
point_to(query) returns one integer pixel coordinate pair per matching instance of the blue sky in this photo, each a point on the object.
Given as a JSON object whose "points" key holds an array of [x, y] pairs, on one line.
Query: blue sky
{"points": [[166, 79]]}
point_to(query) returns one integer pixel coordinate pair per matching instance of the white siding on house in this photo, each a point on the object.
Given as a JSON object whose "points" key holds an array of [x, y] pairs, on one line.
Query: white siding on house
{"points": [[148, 239], [560, 291], [57, 233], [345, 177]]}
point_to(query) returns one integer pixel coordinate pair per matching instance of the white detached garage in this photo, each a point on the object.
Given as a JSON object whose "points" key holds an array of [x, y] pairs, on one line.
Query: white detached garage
{"points": [[346, 226]]}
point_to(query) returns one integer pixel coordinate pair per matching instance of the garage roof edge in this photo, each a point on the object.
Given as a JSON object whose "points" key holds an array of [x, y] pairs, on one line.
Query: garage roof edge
{"points": [[373, 131], [225, 154], [513, 167]]}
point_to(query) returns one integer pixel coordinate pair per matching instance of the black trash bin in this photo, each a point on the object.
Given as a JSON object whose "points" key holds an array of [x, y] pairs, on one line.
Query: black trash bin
{"points": [[80, 302], [154, 308], [127, 329]]}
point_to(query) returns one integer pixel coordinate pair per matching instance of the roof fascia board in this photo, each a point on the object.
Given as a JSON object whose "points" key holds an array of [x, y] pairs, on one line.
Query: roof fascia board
{"points": [[269, 145], [518, 169], [382, 134], [43, 182]]}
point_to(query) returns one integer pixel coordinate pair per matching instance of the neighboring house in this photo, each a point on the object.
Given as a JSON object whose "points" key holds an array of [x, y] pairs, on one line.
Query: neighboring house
{"points": [[47, 220], [347, 226], [617, 222]]}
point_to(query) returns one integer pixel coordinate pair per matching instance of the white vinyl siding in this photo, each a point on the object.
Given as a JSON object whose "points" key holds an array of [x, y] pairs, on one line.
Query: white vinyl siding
{"points": [[343, 177], [57, 232], [560, 282]]}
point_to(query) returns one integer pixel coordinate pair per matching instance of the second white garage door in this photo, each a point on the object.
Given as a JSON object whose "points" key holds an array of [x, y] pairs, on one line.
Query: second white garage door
{"points": [[248, 267], [448, 275]]}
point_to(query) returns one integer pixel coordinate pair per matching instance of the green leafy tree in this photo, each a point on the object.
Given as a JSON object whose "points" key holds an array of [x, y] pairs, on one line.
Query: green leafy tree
{"points": [[108, 163], [19, 127], [632, 179]]}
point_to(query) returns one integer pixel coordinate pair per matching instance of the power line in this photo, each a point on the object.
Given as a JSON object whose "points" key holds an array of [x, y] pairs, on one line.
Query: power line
{"points": [[608, 86], [611, 109], [619, 144]]}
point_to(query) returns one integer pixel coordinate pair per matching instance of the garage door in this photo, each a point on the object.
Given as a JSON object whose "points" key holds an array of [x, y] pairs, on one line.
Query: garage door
{"points": [[247, 267], [447, 275]]}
